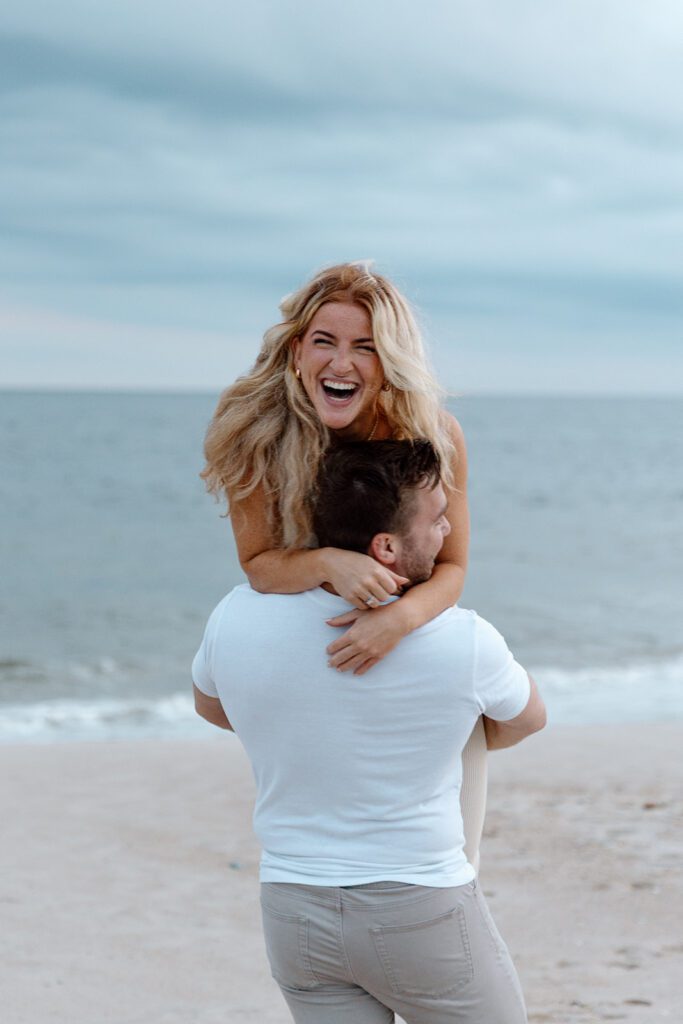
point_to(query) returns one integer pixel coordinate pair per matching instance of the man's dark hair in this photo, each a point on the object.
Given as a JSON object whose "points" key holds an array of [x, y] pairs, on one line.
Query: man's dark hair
{"points": [[368, 487]]}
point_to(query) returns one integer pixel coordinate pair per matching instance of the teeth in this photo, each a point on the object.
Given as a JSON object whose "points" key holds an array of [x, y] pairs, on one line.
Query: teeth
{"points": [[339, 386]]}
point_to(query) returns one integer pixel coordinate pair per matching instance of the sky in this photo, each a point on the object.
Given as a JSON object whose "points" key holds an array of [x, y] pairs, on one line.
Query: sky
{"points": [[169, 171]]}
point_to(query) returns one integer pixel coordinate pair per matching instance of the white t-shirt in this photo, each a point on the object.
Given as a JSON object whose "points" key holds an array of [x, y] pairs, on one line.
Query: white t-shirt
{"points": [[357, 777]]}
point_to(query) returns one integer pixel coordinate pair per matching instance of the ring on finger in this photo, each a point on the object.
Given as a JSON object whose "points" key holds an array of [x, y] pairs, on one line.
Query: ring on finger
{"points": [[371, 601]]}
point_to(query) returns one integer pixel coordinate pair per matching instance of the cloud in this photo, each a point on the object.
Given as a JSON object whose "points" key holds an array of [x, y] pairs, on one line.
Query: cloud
{"points": [[45, 348], [508, 163], [488, 60]]}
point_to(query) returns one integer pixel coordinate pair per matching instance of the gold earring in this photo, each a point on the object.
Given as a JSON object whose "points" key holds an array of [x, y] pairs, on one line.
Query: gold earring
{"points": [[386, 386], [297, 372]]}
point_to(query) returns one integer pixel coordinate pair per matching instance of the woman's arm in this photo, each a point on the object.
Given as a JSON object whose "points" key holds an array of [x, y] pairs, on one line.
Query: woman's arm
{"points": [[374, 633], [269, 570]]}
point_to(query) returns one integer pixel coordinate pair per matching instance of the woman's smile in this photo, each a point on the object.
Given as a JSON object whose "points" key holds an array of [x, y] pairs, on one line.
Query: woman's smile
{"points": [[339, 392]]}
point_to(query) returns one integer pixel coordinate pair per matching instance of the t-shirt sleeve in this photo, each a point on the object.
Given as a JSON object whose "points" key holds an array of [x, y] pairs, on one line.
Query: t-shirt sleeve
{"points": [[501, 685], [202, 663]]}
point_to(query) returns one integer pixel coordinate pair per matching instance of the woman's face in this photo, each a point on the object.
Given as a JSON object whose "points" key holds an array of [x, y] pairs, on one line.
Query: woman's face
{"points": [[340, 368]]}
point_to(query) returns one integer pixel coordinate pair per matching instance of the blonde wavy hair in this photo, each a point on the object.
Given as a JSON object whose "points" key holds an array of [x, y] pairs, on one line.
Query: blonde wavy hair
{"points": [[265, 430]]}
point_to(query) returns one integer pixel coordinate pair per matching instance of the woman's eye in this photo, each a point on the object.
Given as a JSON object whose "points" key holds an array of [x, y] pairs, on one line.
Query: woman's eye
{"points": [[367, 348], [322, 341]]}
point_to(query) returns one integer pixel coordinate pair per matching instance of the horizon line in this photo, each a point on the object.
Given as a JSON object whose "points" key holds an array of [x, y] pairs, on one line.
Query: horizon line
{"points": [[46, 389]]}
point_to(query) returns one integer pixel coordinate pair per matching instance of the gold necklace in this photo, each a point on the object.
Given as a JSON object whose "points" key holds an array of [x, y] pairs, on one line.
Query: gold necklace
{"points": [[374, 428]]}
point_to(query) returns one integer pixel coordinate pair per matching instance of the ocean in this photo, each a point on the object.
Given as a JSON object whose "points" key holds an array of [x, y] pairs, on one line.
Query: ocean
{"points": [[112, 556]]}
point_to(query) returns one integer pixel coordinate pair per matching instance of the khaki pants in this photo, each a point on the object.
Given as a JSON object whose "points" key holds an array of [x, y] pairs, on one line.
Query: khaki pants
{"points": [[358, 954]]}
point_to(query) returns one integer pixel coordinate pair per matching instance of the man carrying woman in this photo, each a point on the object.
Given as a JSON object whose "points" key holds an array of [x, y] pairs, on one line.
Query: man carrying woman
{"points": [[370, 905]]}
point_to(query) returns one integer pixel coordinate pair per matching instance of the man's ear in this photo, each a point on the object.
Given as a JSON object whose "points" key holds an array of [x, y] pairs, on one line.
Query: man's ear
{"points": [[384, 547]]}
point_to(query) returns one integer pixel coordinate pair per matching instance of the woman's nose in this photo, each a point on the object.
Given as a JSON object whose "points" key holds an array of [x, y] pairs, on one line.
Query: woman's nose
{"points": [[341, 360]]}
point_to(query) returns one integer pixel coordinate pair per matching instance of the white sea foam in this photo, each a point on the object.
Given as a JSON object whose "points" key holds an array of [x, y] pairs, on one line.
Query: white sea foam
{"points": [[50, 720], [631, 693], [636, 692]]}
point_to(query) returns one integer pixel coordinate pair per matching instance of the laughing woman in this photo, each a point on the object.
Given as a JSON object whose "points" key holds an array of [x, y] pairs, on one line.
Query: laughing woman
{"points": [[346, 362]]}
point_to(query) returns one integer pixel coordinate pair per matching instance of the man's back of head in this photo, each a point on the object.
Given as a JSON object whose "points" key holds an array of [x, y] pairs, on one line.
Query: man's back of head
{"points": [[385, 499], [367, 487]]}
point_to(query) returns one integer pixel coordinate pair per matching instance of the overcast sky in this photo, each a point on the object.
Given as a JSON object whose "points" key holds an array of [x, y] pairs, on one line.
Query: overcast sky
{"points": [[170, 170]]}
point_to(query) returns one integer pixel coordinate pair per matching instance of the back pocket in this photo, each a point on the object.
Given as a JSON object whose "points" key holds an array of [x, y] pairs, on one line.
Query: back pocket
{"points": [[426, 958], [286, 937]]}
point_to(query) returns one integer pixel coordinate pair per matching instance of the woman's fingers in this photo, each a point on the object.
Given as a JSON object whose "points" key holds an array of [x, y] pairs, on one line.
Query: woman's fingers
{"points": [[370, 595], [367, 640], [402, 581], [345, 654], [340, 644], [346, 619], [378, 589], [348, 664], [391, 581], [362, 581], [362, 669], [376, 594], [372, 589]]}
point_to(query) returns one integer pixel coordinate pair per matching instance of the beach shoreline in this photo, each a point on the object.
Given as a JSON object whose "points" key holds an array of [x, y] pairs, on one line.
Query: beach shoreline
{"points": [[130, 894]]}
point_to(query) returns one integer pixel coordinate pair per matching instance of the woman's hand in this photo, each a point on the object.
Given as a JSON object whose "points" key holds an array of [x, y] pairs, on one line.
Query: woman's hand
{"points": [[372, 635], [358, 578]]}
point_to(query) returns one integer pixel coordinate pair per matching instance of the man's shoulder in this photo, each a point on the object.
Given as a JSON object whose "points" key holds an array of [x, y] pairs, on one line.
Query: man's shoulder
{"points": [[487, 634], [237, 592], [234, 597], [244, 600], [465, 625], [471, 617], [244, 593]]}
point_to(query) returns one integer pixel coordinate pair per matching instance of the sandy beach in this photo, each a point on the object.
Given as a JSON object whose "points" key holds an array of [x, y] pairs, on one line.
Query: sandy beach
{"points": [[129, 886]]}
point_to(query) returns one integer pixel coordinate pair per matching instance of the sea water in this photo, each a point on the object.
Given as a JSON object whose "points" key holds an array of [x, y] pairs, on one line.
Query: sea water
{"points": [[112, 556]]}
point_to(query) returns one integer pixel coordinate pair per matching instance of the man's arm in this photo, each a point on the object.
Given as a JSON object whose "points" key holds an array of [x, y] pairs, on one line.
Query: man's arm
{"points": [[211, 709], [506, 734]]}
